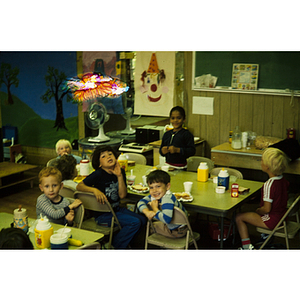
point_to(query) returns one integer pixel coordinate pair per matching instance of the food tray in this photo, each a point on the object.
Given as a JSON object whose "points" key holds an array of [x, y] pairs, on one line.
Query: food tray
{"points": [[190, 199]]}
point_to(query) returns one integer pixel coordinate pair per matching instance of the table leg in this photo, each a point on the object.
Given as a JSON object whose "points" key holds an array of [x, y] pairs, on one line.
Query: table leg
{"points": [[233, 227], [222, 233]]}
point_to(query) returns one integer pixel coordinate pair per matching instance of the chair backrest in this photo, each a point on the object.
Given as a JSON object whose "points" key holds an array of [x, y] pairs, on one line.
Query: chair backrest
{"points": [[51, 162], [79, 214], [90, 202], [193, 163], [138, 158], [179, 217], [233, 172], [67, 191], [294, 208]]}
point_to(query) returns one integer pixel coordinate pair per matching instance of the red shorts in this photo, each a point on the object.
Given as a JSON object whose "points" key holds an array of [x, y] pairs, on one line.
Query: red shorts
{"points": [[271, 221]]}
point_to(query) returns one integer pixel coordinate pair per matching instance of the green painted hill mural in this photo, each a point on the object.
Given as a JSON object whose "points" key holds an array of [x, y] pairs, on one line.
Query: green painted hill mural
{"points": [[32, 129]]}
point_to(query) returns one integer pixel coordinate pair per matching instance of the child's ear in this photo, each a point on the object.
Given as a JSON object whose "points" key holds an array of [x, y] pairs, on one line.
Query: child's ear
{"points": [[168, 186], [61, 185], [41, 188]]}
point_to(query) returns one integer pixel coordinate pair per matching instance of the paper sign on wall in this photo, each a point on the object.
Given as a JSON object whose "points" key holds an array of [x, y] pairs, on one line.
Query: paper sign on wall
{"points": [[203, 105]]}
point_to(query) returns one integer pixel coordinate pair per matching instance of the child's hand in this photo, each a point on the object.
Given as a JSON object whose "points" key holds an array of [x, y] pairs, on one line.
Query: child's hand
{"points": [[165, 150], [117, 169], [99, 196], [150, 214], [154, 205], [70, 216], [75, 204], [173, 149]]}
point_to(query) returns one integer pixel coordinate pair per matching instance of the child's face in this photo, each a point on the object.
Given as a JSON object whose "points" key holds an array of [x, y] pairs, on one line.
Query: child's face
{"points": [[51, 187], [176, 120], [107, 159], [158, 189], [63, 149]]}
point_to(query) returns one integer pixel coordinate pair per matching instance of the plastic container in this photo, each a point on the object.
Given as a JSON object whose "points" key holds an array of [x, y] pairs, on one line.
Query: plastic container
{"points": [[123, 161], [42, 233], [223, 179], [202, 172], [21, 218], [230, 136], [59, 241], [236, 138], [84, 167], [234, 190]]}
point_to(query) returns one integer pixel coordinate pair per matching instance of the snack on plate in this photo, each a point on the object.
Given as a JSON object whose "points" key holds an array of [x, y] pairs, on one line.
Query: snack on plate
{"points": [[243, 190], [131, 163], [139, 187], [182, 195]]}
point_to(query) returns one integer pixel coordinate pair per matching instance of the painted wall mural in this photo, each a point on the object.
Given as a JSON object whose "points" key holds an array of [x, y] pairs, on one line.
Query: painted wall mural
{"points": [[154, 83], [32, 98]]}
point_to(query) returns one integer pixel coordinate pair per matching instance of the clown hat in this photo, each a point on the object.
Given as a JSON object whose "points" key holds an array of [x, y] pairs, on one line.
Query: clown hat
{"points": [[153, 66]]}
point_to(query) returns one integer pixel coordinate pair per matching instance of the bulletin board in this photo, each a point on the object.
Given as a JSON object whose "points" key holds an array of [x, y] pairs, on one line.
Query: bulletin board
{"points": [[278, 70]]}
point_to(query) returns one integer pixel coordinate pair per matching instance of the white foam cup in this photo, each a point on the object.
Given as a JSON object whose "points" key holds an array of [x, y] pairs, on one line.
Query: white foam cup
{"points": [[188, 186]]}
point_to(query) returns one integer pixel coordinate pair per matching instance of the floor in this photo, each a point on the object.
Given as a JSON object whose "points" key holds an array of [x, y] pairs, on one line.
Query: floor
{"points": [[22, 194]]}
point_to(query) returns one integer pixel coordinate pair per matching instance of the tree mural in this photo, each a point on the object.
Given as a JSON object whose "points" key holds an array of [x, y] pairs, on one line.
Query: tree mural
{"points": [[55, 82], [8, 76]]}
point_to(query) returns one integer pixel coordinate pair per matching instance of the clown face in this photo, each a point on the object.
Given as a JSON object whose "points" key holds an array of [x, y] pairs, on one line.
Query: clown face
{"points": [[153, 87]]}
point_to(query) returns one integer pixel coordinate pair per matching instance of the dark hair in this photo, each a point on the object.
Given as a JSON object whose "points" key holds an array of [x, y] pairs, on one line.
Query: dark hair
{"points": [[180, 109], [66, 165], [14, 238], [97, 152], [158, 176]]}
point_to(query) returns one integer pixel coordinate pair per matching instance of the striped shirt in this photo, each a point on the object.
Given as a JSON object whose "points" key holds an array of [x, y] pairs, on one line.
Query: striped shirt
{"points": [[167, 202], [55, 212]]}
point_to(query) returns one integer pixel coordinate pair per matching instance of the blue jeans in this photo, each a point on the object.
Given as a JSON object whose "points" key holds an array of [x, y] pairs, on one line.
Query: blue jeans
{"points": [[130, 222]]}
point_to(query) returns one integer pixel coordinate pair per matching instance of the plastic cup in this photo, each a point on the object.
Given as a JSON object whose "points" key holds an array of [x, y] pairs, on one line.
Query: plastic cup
{"points": [[66, 231], [144, 178], [188, 186], [165, 168], [131, 179]]}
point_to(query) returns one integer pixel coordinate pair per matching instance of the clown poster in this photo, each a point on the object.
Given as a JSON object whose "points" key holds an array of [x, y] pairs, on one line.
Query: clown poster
{"points": [[154, 83]]}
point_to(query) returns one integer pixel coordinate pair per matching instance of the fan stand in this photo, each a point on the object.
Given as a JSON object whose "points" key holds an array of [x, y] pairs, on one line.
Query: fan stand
{"points": [[128, 129], [101, 137]]}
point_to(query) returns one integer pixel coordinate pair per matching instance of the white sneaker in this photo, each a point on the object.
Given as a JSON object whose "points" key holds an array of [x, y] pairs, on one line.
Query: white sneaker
{"points": [[251, 247]]}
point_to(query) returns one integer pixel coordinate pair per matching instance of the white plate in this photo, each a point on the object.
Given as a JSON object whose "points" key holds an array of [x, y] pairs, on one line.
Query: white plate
{"points": [[185, 200], [137, 191]]}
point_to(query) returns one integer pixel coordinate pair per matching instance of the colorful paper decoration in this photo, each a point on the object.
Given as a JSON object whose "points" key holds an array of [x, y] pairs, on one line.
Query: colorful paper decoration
{"points": [[90, 86]]}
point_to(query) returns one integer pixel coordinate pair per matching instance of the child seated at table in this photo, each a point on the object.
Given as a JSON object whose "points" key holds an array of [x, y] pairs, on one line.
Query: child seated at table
{"points": [[274, 196], [14, 238], [161, 196], [67, 166], [57, 208], [108, 182], [63, 147]]}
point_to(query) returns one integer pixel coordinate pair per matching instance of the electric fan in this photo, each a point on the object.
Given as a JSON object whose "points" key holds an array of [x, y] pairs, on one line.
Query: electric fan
{"points": [[95, 119], [128, 117]]}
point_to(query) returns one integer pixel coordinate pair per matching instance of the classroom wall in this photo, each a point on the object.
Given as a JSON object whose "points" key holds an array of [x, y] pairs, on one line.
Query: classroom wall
{"points": [[267, 115]]}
